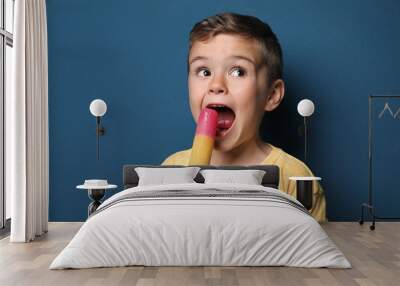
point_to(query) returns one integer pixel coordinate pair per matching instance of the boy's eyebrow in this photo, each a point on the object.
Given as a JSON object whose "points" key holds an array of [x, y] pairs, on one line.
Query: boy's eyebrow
{"points": [[243, 58], [231, 57], [198, 58]]}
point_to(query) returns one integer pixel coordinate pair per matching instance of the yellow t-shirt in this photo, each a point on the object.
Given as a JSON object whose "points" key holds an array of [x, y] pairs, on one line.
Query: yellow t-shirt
{"points": [[288, 166]]}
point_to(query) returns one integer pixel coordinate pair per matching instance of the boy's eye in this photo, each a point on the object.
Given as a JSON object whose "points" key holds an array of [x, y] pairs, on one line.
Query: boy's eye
{"points": [[238, 71], [203, 72]]}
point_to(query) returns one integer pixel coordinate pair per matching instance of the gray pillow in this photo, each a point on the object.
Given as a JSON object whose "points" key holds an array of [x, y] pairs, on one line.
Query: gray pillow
{"points": [[162, 176], [248, 177]]}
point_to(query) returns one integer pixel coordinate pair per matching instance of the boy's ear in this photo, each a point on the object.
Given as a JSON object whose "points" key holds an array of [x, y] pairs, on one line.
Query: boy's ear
{"points": [[275, 95]]}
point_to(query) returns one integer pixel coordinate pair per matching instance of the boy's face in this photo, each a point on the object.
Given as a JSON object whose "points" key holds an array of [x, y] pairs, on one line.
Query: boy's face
{"points": [[227, 70]]}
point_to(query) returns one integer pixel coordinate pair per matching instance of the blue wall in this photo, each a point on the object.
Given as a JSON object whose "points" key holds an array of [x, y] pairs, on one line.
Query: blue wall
{"points": [[132, 55]]}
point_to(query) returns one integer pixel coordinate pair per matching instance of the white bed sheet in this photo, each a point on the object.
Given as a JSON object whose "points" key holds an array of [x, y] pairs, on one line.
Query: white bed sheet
{"points": [[200, 231]]}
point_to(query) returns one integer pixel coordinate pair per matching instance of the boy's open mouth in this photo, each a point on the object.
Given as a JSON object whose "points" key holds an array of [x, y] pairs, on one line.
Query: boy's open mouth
{"points": [[226, 117]]}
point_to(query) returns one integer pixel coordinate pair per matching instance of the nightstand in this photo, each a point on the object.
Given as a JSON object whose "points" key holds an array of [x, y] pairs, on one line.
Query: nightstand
{"points": [[304, 190], [96, 190]]}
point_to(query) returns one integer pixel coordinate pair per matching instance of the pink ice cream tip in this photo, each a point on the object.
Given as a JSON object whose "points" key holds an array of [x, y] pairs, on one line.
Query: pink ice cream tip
{"points": [[207, 122]]}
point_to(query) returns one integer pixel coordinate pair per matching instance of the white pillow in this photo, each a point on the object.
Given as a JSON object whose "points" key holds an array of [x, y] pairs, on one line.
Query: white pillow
{"points": [[162, 176], [248, 177]]}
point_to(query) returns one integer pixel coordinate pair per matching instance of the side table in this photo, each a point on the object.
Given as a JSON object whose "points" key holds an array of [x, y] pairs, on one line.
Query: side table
{"points": [[304, 190], [96, 190]]}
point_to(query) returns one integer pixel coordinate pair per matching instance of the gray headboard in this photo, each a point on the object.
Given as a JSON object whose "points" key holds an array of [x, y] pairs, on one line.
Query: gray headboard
{"points": [[270, 179]]}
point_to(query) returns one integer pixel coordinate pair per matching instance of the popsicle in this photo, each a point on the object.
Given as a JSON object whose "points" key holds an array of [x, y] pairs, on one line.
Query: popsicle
{"points": [[203, 142]]}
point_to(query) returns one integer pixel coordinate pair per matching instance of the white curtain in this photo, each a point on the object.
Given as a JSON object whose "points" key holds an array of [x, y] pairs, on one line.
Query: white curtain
{"points": [[27, 124]]}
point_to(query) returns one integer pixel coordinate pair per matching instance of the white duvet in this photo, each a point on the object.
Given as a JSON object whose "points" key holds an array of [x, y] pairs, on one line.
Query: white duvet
{"points": [[200, 231]]}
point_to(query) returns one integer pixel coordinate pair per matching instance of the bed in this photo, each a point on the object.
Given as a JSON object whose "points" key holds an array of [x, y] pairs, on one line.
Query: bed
{"points": [[201, 224]]}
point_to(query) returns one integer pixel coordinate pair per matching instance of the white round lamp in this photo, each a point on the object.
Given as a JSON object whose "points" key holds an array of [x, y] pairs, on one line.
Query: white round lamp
{"points": [[98, 108], [305, 108]]}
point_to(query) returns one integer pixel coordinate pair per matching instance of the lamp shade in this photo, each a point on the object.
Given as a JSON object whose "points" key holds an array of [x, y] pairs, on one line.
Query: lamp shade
{"points": [[305, 107], [98, 107]]}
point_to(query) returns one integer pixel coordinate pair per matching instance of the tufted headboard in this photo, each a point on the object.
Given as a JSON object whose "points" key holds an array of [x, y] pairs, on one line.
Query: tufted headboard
{"points": [[130, 178]]}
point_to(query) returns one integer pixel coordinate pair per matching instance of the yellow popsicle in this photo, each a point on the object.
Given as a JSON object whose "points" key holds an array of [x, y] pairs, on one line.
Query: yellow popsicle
{"points": [[203, 142]]}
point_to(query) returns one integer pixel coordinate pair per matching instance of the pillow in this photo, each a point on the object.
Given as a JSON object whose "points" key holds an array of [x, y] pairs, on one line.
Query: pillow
{"points": [[162, 176], [249, 177]]}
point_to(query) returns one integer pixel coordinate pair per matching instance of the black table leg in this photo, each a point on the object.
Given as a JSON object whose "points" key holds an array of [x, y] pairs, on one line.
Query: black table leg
{"points": [[304, 193], [96, 195]]}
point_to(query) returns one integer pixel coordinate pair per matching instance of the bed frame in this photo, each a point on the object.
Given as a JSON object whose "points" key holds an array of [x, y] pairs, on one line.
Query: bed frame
{"points": [[270, 179]]}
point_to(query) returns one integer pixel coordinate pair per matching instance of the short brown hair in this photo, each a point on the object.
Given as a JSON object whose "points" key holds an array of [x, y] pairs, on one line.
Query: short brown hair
{"points": [[247, 26]]}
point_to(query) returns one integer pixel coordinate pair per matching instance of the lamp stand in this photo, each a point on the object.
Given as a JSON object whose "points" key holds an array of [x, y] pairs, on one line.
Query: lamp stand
{"points": [[100, 131], [305, 140]]}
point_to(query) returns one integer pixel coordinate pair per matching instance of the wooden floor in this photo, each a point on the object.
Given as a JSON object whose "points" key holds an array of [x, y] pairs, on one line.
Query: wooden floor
{"points": [[374, 255]]}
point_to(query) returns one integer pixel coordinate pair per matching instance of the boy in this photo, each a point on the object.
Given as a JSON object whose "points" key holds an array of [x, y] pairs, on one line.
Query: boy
{"points": [[235, 67]]}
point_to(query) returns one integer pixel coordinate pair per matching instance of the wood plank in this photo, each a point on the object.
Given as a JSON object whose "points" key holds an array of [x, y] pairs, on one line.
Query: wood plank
{"points": [[374, 255]]}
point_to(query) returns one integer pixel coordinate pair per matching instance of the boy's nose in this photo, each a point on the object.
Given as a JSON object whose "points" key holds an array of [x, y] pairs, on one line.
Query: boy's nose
{"points": [[217, 87], [217, 90]]}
